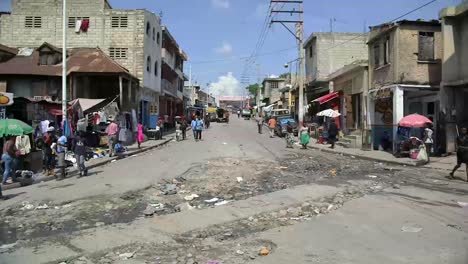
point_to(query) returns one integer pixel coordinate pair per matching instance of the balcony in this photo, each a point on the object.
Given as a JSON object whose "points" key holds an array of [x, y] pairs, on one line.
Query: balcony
{"points": [[169, 88]]}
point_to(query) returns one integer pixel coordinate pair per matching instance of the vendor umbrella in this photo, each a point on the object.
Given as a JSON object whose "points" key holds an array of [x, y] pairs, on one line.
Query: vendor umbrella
{"points": [[414, 120], [14, 127], [329, 113]]}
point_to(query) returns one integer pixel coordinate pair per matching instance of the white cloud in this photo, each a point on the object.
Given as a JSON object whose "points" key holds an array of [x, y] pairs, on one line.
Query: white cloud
{"points": [[220, 3], [226, 85], [225, 49]]}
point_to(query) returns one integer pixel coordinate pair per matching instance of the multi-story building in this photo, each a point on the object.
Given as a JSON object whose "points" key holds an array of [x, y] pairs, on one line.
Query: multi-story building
{"points": [[271, 91], [404, 74], [133, 38], [326, 52], [171, 100], [454, 85]]}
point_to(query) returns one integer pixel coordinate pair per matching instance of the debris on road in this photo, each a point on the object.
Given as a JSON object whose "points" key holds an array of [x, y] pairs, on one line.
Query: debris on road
{"points": [[411, 228], [221, 203], [396, 186], [127, 255], [333, 172], [372, 176], [462, 204], [239, 179], [191, 197], [170, 189], [240, 252], [44, 206], [264, 252], [212, 200]]}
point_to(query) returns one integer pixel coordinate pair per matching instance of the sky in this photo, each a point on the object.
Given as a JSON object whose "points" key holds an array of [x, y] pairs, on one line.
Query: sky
{"points": [[219, 35]]}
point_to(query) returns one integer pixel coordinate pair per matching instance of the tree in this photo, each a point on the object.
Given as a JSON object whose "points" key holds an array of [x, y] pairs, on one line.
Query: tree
{"points": [[253, 88]]}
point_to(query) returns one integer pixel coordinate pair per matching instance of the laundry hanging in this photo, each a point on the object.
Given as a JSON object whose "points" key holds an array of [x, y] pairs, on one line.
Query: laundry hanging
{"points": [[78, 26], [85, 25]]}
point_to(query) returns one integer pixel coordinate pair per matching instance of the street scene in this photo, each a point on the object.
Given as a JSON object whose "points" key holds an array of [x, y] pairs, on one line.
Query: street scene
{"points": [[269, 131]]}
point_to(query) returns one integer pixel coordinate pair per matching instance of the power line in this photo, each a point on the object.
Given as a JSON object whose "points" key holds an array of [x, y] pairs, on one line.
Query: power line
{"points": [[243, 57]]}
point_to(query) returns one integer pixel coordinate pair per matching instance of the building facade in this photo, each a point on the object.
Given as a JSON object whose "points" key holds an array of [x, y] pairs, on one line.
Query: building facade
{"points": [[404, 74], [454, 85], [133, 38], [326, 53], [172, 93], [271, 91]]}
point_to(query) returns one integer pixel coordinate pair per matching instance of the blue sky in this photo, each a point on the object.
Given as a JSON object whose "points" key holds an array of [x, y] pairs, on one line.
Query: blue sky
{"points": [[225, 31]]}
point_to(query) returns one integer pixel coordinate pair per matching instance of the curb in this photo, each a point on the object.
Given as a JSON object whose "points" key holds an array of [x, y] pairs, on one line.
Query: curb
{"points": [[73, 171]]}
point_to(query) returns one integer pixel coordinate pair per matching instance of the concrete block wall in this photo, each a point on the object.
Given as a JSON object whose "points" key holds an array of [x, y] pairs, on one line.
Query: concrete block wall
{"points": [[383, 74]]}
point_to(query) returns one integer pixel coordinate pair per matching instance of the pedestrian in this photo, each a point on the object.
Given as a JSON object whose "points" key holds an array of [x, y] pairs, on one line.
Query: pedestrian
{"points": [[79, 148], [199, 128], [260, 123], [61, 149], [462, 152], [9, 159], [112, 132], [227, 117], [178, 130], [332, 133], [289, 135], [272, 126], [48, 151], [207, 120], [161, 126], [238, 113], [305, 136], [140, 136], [183, 127], [193, 125], [428, 141]]}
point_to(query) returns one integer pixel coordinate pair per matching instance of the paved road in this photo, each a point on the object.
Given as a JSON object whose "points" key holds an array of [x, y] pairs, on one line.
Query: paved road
{"points": [[364, 230]]}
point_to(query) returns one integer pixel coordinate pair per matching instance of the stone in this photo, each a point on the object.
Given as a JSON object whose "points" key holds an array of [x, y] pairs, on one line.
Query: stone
{"points": [[228, 197], [305, 206], [283, 213], [238, 196], [98, 224], [396, 186], [337, 200], [251, 218], [295, 212]]}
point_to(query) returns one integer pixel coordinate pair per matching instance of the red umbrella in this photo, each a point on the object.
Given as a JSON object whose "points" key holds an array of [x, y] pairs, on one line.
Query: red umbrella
{"points": [[414, 120]]}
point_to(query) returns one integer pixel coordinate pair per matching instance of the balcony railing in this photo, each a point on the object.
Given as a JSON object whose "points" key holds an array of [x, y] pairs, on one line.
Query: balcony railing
{"points": [[169, 87]]}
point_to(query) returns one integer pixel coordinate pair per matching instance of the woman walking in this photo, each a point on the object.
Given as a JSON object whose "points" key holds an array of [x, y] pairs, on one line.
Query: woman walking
{"points": [[305, 136], [140, 136], [9, 157]]}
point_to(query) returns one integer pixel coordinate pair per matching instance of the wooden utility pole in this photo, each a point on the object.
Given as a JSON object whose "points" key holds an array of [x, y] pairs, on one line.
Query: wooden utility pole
{"points": [[299, 35]]}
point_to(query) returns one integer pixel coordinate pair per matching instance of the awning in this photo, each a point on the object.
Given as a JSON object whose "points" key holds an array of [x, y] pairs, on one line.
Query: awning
{"points": [[327, 98]]}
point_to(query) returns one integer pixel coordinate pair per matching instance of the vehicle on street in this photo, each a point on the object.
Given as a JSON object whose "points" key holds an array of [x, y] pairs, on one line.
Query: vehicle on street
{"points": [[221, 115], [277, 113], [246, 114], [281, 124]]}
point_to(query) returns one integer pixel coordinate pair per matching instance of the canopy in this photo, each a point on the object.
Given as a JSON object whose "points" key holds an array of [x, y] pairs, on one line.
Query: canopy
{"points": [[14, 127], [327, 98], [414, 120], [211, 110], [329, 113], [87, 104]]}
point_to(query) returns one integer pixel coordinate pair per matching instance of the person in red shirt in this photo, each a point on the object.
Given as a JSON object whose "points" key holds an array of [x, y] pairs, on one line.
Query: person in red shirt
{"points": [[112, 132], [272, 126]]}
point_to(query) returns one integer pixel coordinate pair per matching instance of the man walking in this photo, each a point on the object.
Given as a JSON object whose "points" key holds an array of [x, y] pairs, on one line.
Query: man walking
{"points": [[183, 127], [332, 133], [272, 126], [194, 125], [199, 128], [112, 132], [428, 142], [260, 123], [79, 148], [462, 152], [61, 149]]}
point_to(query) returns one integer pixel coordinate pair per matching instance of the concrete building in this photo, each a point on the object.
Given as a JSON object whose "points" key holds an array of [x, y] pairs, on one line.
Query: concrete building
{"points": [[454, 85], [233, 102], [190, 92], [404, 74], [326, 53], [171, 99], [272, 90], [130, 37]]}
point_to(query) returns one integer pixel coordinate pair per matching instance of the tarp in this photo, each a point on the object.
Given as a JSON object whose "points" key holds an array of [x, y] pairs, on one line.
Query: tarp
{"points": [[87, 104], [327, 98]]}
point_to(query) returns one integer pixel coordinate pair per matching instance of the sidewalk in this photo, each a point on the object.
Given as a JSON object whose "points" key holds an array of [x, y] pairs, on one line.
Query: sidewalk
{"points": [[439, 163], [93, 163]]}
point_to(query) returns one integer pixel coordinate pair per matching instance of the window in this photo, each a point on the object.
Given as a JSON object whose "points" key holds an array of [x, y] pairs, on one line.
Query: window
{"points": [[148, 64], [274, 85], [72, 21], [387, 50], [118, 53], [156, 68], [33, 22], [311, 51], [426, 46], [158, 38], [119, 21], [376, 56], [154, 34], [148, 28], [431, 108]]}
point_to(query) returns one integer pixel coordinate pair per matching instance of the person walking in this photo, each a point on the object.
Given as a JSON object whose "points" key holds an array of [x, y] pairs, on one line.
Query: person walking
{"points": [[428, 141], [289, 135], [260, 123], [462, 152], [227, 117], [183, 127], [79, 148], [140, 136], [194, 125], [272, 126], [61, 149], [48, 151], [199, 128], [238, 113], [9, 159], [305, 136], [112, 132], [332, 133], [207, 120]]}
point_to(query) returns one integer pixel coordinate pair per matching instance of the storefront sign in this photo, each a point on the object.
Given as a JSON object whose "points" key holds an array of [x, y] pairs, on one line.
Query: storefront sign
{"points": [[6, 99]]}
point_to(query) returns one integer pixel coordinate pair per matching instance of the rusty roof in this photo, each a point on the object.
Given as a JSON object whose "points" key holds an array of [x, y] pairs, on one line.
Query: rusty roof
{"points": [[12, 51], [80, 60]]}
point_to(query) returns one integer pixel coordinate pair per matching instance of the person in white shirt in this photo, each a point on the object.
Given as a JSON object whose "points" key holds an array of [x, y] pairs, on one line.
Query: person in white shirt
{"points": [[428, 141]]}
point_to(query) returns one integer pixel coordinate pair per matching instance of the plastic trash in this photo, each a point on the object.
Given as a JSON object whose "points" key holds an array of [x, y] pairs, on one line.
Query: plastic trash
{"points": [[239, 179], [191, 197], [411, 229], [212, 200], [221, 203], [264, 252], [127, 255], [462, 204]]}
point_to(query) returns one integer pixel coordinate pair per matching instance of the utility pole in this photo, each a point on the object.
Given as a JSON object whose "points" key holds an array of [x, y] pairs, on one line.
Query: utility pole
{"points": [[299, 35], [192, 94], [64, 62], [259, 89]]}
